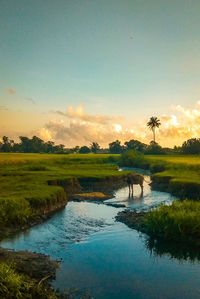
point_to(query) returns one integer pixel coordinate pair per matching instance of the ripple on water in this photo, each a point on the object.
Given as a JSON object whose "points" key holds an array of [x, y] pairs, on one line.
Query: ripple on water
{"points": [[109, 259]]}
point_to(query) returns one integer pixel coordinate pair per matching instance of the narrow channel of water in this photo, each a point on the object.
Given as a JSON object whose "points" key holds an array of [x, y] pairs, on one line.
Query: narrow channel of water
{"points": [[109, 260]]}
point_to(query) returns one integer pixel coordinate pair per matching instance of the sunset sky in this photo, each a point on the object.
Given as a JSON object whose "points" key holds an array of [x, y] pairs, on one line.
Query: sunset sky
{"points": [[77, 71]]}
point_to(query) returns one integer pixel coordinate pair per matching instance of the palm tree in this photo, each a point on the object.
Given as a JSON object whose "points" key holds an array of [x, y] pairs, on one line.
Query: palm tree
{"points": [[152, 124]]}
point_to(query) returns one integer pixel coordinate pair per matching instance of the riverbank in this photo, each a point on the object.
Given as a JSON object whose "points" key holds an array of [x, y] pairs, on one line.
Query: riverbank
{"points": [[32, 188], [178, 175], [26, 274], [179, 222]]}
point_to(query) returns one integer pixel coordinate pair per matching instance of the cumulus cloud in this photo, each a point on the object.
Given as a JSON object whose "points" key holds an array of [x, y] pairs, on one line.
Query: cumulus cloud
{"points": [[79, 128], [83, 133], [30, 100], [11, 91], [44, 134], [78, 113]]}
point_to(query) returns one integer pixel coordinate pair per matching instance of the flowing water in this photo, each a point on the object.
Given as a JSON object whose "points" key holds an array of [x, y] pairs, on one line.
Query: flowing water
{"points": [[109, 260]]}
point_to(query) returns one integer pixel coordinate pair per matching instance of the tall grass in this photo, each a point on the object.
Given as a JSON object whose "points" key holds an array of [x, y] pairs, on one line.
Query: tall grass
{"points": [[181, 221], [12, 284]]}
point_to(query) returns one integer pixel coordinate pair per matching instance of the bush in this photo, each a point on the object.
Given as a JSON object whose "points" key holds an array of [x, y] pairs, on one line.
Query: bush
{"points": [[133, 159]]}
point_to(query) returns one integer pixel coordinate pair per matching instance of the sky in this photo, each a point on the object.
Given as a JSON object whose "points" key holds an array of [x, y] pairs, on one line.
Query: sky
{"points": [[78, 71]]}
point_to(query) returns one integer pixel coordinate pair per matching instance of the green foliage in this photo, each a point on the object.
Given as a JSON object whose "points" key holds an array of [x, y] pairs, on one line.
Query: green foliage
{"points": [[179, 174], [152, 124], [14, 211], [30, 145], [181, 220], [95, 147], [154, 149], [135, 145], [115, 147], [12, 284], [133, 159], [84, 150], [191, 146]]}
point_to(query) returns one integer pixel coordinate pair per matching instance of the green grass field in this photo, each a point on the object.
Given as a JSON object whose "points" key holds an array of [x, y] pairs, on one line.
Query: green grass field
{"points": [[24, 178], [179, 175]]}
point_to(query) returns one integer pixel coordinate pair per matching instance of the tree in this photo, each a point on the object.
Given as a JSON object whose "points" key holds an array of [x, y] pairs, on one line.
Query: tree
{"points": [[191, 146], [94, 147], [154, 149], [84, 150], [75, 149], [115, 147], [7, 144], [135, 145], [152, 124]]}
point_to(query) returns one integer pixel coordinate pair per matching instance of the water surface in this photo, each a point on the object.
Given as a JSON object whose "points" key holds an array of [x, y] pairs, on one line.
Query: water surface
{"points": [[108, 259]]}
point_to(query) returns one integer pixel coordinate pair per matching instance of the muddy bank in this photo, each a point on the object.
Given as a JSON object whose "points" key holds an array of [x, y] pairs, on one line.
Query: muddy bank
{"points": [[180, 188], [35, 265], [133, 219], [37, 269]]}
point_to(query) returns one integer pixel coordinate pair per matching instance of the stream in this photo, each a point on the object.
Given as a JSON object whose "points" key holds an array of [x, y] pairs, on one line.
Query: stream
{"points": [[105, 258]]}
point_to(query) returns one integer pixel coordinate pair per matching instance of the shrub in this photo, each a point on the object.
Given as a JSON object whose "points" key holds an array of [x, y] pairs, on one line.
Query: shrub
{"points": [[133, 159]]}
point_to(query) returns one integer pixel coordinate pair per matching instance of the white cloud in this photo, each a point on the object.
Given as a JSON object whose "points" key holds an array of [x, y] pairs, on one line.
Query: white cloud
{"points": [[44, 134], [79, 128], [78, 113]]}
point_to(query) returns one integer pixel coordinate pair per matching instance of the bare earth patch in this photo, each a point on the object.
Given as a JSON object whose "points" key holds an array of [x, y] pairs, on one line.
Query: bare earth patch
{"points": [[91, 196]]}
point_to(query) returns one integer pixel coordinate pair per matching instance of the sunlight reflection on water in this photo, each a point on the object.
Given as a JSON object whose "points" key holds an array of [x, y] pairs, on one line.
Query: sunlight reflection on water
{"points": [[106, 257]]}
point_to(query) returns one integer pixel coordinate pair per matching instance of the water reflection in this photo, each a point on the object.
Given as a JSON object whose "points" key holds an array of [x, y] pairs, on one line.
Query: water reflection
{"points": [[97, 253], [174, 250], [150, 199]]}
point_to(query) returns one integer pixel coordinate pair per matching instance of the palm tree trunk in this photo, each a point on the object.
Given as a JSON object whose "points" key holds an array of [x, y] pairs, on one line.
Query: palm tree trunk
{"points": [[154, 135]]}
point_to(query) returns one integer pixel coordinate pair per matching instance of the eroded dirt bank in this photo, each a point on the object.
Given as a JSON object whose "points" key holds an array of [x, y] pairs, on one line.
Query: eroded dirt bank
{"points": [[70, 187], [133, 219], [39, 268]]}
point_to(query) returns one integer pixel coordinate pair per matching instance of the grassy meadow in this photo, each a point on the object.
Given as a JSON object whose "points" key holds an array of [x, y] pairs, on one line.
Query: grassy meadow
{"points": [[24, 187], [180, 174]]}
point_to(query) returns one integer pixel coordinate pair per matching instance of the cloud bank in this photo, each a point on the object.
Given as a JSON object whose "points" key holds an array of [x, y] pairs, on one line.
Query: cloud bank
{"points": [[79, 128]]}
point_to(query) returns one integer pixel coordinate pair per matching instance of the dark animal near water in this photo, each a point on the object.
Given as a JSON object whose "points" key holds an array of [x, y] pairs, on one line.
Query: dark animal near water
{"points": [[134, 179]]}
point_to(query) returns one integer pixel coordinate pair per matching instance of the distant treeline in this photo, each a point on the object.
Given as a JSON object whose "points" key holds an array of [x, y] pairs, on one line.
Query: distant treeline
{"points": [[37, 145]]}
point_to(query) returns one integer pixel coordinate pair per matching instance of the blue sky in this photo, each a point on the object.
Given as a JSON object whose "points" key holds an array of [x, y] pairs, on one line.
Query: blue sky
{"points": [[128, 58]]}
